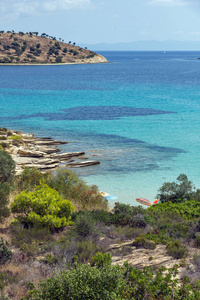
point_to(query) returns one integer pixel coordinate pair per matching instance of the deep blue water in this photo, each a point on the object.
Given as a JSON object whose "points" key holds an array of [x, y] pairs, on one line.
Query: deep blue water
{"points": [[138, 115]]}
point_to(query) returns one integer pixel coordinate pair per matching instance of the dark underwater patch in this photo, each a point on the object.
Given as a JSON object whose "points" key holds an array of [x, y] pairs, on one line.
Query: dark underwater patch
{"points": [[95, 113]]}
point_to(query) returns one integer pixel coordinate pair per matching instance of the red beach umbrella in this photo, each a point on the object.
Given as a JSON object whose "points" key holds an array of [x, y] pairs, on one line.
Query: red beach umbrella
{"points": [[143, 201], [156, 201]]}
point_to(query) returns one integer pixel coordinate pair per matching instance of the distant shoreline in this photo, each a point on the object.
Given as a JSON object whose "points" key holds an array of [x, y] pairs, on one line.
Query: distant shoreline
{"points": [[53, 64]]}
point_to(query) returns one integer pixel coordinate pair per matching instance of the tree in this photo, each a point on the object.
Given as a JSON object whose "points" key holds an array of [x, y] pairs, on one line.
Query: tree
{"points": [[176, 191], [43, 207]]}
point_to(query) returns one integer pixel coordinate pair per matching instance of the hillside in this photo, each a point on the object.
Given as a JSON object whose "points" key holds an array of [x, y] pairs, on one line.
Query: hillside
{"points": [[30, 48]]}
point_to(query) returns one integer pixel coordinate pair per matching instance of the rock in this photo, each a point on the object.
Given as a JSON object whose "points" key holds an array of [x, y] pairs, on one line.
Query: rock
{"points": [[48, 150], [48, 142], [42, 167], [45, 161], [83, 164], [29, 153], [65, 156]]}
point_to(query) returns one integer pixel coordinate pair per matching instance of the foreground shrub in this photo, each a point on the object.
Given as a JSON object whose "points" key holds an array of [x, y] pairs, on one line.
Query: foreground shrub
{"points": [[44, 208], [176, 249], [115, 283], [80, 283]]}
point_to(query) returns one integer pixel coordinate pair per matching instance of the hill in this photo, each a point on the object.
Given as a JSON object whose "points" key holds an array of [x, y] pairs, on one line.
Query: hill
{"points": [[30, 48]]}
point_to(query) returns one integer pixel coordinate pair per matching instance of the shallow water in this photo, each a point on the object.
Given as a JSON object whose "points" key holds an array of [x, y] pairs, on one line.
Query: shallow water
{"points": [[140, 114]]}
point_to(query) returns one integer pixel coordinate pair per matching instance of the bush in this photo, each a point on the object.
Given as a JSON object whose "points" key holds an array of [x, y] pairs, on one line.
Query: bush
{"points": [[84, 225], [176, 191], [15, 137], [141, 242], [176, 249], [30, 178], [7, 167], [101, 260], [44, 207], [71, 187], [82, 282], [115, 283], [4, 200], [5, 254], [124, 215]]}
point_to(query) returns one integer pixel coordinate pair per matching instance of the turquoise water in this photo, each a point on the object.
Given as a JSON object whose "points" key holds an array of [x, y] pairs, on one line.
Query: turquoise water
{"points": [[138, 115]]}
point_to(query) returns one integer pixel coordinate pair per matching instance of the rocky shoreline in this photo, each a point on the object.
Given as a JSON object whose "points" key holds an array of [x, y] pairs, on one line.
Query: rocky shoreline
{"points": [[41, 153]]}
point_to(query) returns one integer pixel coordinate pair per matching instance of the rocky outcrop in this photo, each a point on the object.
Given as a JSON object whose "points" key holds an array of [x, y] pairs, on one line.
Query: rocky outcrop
{"points": [[42, 153], [83, 163]]}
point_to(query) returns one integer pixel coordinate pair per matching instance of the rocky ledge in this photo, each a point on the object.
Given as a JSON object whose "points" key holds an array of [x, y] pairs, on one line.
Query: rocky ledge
{"points": [[41, 153]]}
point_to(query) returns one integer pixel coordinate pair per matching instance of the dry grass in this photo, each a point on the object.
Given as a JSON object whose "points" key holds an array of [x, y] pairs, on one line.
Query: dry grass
{"points": [[74, 53]]}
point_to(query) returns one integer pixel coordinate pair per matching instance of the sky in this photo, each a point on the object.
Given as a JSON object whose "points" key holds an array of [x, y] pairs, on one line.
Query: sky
{"points": [[104, 21]]}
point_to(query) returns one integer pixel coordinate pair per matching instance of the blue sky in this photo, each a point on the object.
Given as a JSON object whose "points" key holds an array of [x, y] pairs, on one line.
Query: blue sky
{"points": [[104, 21]]}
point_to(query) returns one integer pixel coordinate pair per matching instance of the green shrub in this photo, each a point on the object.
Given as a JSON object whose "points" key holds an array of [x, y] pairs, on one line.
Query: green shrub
{"points": [[4, 200], [176, 249], [176, 191], [141, 242], [7, 167], [85, 249], [80, 283], [5, 254], [43, 207], [188, 210], [3, 138], [30, 178], [115, 283], [101, 260], [84, 225], [14, 137]]}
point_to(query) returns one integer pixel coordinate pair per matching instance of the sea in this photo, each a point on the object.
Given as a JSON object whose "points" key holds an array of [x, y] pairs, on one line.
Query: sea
{"points": [[139, 115]]}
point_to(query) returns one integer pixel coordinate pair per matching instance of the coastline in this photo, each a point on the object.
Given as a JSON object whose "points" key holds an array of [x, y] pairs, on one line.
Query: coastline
{"points": [[40, 152], [98, 59], [53, 64]]}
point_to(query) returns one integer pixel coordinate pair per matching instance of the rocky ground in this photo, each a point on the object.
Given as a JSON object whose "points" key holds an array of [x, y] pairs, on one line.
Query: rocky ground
{"points": [[42, 153]]}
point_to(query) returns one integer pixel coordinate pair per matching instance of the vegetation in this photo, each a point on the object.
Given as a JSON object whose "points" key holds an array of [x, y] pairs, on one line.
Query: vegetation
{"points": [[114, 282], [176, 191], [44, 208], [62, 231], [5, 254]]}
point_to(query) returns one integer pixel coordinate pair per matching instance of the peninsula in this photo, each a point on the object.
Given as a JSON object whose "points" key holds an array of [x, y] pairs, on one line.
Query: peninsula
{"points": [[32, 48]]}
